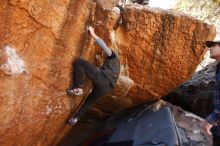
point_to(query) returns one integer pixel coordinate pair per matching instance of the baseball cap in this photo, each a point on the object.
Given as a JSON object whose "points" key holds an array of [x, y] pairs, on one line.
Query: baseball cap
{"points": [[209, 44]]}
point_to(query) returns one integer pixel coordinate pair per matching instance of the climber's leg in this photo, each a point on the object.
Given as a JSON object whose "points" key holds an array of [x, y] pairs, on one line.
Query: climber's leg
{"points": [[89, 100], [82, 69], [95, 94]]}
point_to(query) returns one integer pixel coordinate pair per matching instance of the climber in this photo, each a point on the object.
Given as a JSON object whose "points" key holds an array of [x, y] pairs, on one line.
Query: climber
{"points": [[212, 122], [103, 78], [123, 18]]}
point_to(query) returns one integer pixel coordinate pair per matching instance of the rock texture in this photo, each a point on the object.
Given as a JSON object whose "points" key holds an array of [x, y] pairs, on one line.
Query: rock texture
{"points": [[160, 51], [149, 53], [206, 10], [184, 119], [198, 90]]}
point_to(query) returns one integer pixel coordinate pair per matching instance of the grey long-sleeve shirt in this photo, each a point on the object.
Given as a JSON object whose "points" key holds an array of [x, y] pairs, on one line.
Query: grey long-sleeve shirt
{"points": [[111, 66], [104, 47]]}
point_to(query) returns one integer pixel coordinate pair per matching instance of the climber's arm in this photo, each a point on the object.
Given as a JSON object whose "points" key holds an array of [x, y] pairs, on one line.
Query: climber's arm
{"points": [[100, 42]]}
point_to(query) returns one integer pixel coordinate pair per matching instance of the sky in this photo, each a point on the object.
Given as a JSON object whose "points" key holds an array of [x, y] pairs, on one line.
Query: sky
{"points": [[164, 4]]}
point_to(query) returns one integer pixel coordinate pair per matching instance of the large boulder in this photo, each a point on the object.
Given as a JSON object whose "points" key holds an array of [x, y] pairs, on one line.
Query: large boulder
{"points": [[206, 10], [40, 40], [195, 94], [159, 53]]}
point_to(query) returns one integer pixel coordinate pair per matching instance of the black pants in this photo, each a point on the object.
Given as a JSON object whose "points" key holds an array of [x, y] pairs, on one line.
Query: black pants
{"points": [[216, 140], [101, 84]]}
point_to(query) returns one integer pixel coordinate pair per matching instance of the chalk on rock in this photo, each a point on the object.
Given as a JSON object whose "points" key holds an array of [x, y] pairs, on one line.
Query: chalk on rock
{"points": [[116, 9], [13, 64]]}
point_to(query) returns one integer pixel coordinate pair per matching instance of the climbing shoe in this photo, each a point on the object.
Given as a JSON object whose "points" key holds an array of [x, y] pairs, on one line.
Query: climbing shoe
{"points": [[75, 91], [72, 121]]}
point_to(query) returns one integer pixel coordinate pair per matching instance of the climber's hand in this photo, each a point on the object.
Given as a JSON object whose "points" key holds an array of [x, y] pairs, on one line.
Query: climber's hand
{"points": [[91, 29], [92, 33], [206, 127]]}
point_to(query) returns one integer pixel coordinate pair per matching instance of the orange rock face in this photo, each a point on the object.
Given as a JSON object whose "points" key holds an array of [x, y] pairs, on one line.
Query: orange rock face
{"points": [[160, 51]]}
